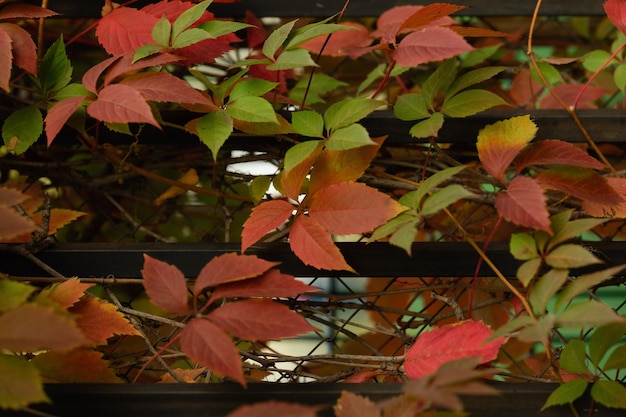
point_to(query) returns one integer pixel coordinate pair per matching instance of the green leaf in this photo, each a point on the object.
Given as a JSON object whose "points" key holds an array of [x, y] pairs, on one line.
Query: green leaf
{"points": [[528, 270], [469, 102], [539, 331], [320, 84], [566, 393], [573, 357], [71, 90], [609, 393], [438, 80], [298, 153], [604, 338], [349, 111], [478, 56], [588, 313], [619, 76], [293, 58], [312, 31], [214, 129], [217, 28], [472, 78], [405, 236], [570, 256], [258, 187], [546, 287], [13, 294], [162, 32], [252, 109], [559, 220], [276, 39], [512, 326], [617, 359], [223, 89], [22, 128], [188, 18], [251, 87], [145, 51], [308, 123], [595, 59], [414, 198], [190, 37], [573, 229], [349, 137], [585, 282], [551, 74], [427, 128], [411, 107], [441, 199], [523, 246], [55, 71], [407, 217], [20, 383]]}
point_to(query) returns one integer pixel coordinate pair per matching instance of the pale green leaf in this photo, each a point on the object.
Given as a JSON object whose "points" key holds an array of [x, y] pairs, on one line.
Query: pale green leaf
{"points": [[439, 80], [559, 220], [573, 229], [190, 37], [523, 246], [251, 87], [588, 313], [549, 72], [570, 256], [293, 58], [162, 32], [258, 187], [528, 270], [478, 56], [408, 217], [428, 128], [145, 51], [13, 294], [312, 31], [252, 109], [349, 111], [411, 107], [214, 129], [20, 383], [545, 288], [619, 76], [349, 137], [187, 18], [469, 102], [320, 84], [217, 28], [472, 78], [609, 393], [22, 128], [584, 283], [617, 359], [276, 39], [603, 338], [299, 152], [566, 393], [595, 59], [441, 199], [512, 326], [573, 357], [405, 236], [539, 331], [308, 123], [414, 198]]}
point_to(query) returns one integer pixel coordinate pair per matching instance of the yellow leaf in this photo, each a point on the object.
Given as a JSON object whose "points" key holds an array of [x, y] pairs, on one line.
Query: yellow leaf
{"points": [[190, 178]]}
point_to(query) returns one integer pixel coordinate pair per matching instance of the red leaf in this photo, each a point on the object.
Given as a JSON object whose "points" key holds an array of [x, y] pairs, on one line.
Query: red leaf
{"points": [[13, 225], [165, 285], [11, 197], [524, 204], [75, 366], [24, 49], [119, 103], [125, 65], [256, 34], [389, 23], [209, 346], [271, 284], [582, 183], [291, 181], [352, 207], [264, 218], [441, 345], [228, 268], [313, 245], [66, 293], [276, 409], [429, 44], [99, 320], [555, 152], [569, 92], [610, 210], [259, 320], [160, 86], [616, 12], [340, 42], [125, 29], [207, 50], [354, 405], [22, 10], [30, 327], [91, 76], [6, 59], [59, 114], [171, 10]]}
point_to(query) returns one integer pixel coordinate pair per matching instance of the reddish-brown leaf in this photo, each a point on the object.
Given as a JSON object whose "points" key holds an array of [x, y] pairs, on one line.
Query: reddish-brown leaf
{"points": [[352, 207], [259, 320], [125, 65], [271, 284], [524, 204], [582, 183], [616, 12], [428, 45], [430, 14], [338, 166], [125, 29], [24, 10], [119, 103], [555, 152], [165, 285], [569, 92], [210, 347], [341, 42], [100, 320], [228, 268], [264, 218], [389, 23], [313, 245], [354, 405], [161, 86], [59, 114], [11, 197], [58, 219], [30, 327], [75, 366], [23, 47], [13, 225], [608, 210], [66, 293], [6, 59], [276, 409], [448, 343]]}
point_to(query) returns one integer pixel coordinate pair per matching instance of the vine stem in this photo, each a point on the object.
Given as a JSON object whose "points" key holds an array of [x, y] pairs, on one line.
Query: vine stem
{"points": [[571, 110]]}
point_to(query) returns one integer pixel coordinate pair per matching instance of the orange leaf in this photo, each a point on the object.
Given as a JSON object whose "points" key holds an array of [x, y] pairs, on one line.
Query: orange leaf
{"points": [[555, 152], [389, 23], [66, 293], [259, 320], [190, 178], [74, 366], [165, 285], [228, 268], [352, 207], [6, 60], [524, 204], [264, 218], [188, 375], [31, 327], [13, 226], [582, 183], [313, 245], [100, 320], [208, 345], [608, 210], [441, 345], [58, 219], [353, 405], [276, 409]]}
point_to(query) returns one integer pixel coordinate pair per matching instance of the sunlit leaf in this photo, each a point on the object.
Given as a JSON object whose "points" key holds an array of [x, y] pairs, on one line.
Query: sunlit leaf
{"points": [[125, 29], [190, 178], [277, 38], [616, 12], [573, 229], [59, 114]]}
